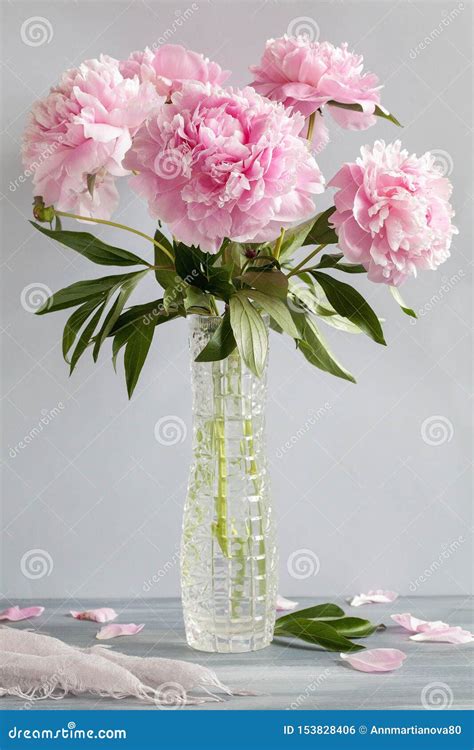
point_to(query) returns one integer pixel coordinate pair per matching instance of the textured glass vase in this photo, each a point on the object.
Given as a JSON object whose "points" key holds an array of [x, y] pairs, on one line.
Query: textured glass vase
{"points": [[228, 551]]}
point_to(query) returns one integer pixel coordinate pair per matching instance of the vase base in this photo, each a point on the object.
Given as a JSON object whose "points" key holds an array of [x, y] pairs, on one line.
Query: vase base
{"points": [[224, 637]]}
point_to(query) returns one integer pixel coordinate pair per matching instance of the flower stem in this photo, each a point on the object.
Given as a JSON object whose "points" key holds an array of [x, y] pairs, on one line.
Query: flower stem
{"points": [[279, 243], [118, 226], [220, 526], [311, 121], [297, 268]]}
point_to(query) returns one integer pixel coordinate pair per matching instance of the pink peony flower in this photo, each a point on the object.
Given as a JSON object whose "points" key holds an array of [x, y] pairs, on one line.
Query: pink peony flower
{"points": [[308, 75], [170, 66], [77, 137], [221, 163], [393, 213]]}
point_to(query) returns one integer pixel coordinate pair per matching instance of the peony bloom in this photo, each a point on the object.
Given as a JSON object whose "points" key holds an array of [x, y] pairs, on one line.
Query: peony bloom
{"points": [[77, 137], [308, 75], [393, 213], [170, 66], [218, 163]]}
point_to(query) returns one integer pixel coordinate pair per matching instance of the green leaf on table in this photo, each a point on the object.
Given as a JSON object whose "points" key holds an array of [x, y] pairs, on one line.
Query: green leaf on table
{"points": [[136, 350], [277, 310], [398, 298], [379, 112], [352, 627], [319, 633], [272, 282], [82, 291], [221, 344], [349, 303], [314, 348], [250, 333], [92, 248], [317, 612], [163, 276], [332, 260], [85, 338], [321, 232]]}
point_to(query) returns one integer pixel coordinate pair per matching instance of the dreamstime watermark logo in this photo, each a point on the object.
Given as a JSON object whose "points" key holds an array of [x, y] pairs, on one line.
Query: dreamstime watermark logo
{"points": [[36, 31], [447, 551], [181, 17], [310, 689], [47, 416], [35, 164], [303, 563], [447, 284], [161, 573], [437, 696], [437, 430], [449, 17], [304, 26], [36, 563], [170, 696], [442, 161], [310, 421], [33, 296], [172, 163], [170, 430]]}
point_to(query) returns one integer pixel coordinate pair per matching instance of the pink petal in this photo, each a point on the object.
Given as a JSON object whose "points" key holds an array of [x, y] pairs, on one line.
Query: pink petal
{"points": [[102, 614], [378, 596], [376, 660], [113, 631], [414, 625], [14, 614], [445, 635], [284, 604]]}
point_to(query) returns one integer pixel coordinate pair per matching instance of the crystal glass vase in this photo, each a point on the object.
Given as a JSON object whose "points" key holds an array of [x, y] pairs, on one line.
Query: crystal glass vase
{"points": [[228, 551]]}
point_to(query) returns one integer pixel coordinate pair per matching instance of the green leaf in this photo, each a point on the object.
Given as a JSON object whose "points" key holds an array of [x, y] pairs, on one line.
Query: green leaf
{"points": [[321, 233], [319, 633], [398, 298], [277, 310], [378, 111], [92, 248], [250, 333], [196, 301], [112, 316], [136, 350], [82, 291], [273, 282], [164, 277], [332, 261], [154, 312], [74, 324], [85, 338], [294, 239], [352, 627], [319, 306], [196, 268], [315, 350], [221, 344], [173, 297], [349, 303], [318, 611]]}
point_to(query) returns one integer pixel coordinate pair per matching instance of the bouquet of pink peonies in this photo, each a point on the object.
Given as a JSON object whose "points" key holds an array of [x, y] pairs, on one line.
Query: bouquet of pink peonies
{"points": [[230, 177]]}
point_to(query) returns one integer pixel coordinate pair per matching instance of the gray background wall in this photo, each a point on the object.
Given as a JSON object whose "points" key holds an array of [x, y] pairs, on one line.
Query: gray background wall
{"points": [[377, 486]]}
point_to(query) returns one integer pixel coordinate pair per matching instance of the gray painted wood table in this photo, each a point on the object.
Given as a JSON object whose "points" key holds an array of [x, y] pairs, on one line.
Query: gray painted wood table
{"points": [[285, 675]]}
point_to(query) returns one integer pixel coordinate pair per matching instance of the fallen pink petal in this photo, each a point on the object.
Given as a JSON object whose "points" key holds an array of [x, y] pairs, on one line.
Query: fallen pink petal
{"points": [[116, 630], [376, 596], [15, 614], [102, 614], [376, 660], [283, 604], [414, 625], [448, 634]]}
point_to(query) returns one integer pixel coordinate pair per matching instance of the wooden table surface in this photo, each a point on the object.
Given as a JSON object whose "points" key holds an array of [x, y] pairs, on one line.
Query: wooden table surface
{"points": [[286, 676]]}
